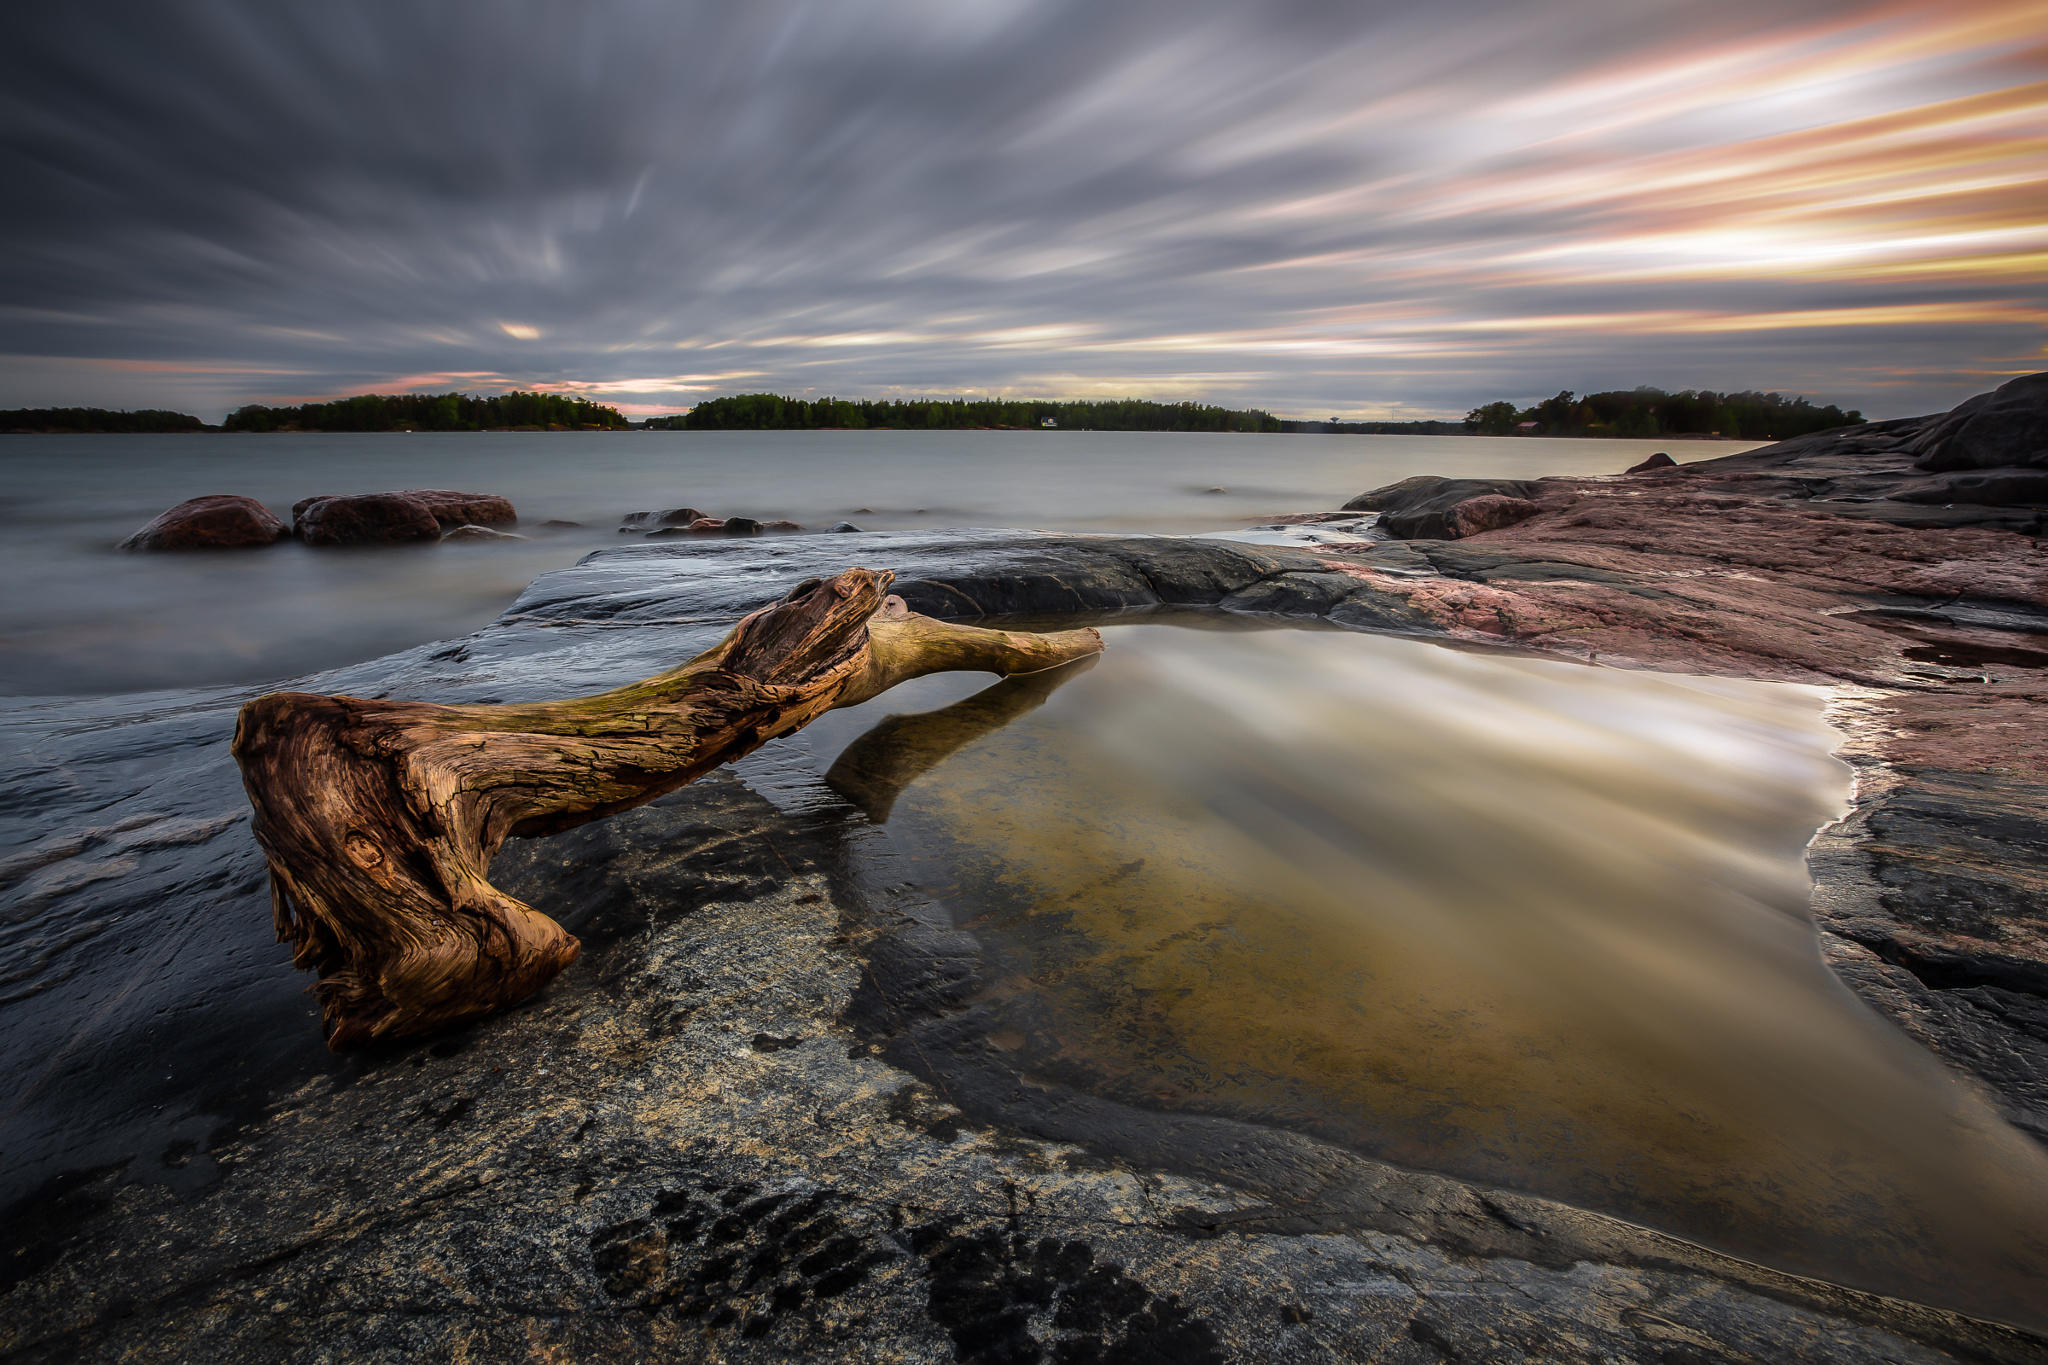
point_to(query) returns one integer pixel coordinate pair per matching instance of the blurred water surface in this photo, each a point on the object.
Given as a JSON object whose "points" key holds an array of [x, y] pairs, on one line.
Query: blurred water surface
{"points": [[81, 617], [1531, 922]]}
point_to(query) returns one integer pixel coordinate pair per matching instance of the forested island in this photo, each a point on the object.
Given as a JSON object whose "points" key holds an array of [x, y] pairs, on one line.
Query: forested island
{"points": [[433, 412], [1651, 412], [94, 421], [775, 412]]}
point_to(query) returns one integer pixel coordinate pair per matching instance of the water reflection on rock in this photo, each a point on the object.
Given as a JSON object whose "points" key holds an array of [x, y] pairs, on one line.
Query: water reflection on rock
{"points": [[1519, 920]]}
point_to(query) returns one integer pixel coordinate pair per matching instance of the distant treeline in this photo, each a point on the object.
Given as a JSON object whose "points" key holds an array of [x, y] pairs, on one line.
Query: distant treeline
{"points": [[1652, 412], [430, 412], [57, 420], [773, 412]]}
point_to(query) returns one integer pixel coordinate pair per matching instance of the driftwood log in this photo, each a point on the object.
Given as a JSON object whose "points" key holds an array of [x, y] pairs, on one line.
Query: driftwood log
{"points": [[379, 818]]}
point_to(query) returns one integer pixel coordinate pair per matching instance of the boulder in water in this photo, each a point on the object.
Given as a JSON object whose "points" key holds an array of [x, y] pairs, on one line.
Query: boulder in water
{"points": [[479, 533], [364, 519], [842, 527], [741, 526], [1661, 460], [452, 508], [217, 521]]}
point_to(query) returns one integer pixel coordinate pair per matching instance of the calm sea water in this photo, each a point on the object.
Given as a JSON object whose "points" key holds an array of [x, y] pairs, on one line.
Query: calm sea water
{"points": [[82, 617]]}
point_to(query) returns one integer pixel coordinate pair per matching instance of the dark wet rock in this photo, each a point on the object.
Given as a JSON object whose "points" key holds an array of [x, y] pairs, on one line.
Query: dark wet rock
{"points": [[1985, 487], [479, 533], [217, 521], [1660, 460], [957, 575], [557, 524], [742, 526], [452, 508], [655, 521], [1930, 899], [783, 526], [1421, 508], [842, 527], [2006, 427], [1434, 492], [364, 519]]}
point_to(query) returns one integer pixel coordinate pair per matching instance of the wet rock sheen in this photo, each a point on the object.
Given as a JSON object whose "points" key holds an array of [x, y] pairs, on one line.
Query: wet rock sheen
{"points": [[218, 521]]}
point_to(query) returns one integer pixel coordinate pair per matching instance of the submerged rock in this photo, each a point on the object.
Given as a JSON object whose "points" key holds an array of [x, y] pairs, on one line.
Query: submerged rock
{"points": [[217, 521], [479, 533], [1660, 460], [701, 526], [364, 519], [841, 528], [655, 521]]}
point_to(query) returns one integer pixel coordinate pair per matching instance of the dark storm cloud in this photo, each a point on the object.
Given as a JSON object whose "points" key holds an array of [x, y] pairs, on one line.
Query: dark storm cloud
{"points": [[1314, 207]]}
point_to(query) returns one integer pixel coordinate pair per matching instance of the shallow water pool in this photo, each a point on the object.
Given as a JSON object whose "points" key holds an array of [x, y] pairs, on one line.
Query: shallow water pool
{"points": [[1529, 922]]}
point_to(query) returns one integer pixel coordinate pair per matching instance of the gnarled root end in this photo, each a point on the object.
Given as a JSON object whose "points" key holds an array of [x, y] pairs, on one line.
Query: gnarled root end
{"points": [[478, 964], [375, 894]]}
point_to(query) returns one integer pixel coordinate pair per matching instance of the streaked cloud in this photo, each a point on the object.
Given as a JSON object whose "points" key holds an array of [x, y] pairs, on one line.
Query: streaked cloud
{"points": [[1314, 207]]}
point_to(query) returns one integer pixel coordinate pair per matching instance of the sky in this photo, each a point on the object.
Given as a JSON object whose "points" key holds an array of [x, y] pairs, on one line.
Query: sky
{"points": [[1365, 210]]}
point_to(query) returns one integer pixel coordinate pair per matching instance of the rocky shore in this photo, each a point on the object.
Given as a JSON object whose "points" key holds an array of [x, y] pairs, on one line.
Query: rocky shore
{"points": [[756, 1120]]}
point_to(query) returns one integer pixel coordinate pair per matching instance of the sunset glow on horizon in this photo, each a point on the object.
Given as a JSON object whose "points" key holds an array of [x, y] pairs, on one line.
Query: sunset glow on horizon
{"points": [[1310, 212]]}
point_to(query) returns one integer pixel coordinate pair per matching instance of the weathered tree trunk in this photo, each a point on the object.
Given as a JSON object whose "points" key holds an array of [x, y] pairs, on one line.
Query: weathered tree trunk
{"points": [[379, 818]]}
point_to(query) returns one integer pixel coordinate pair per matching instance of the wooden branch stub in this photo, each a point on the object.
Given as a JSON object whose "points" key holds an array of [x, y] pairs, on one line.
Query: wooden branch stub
{"points": [[379, 818]]}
